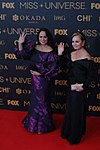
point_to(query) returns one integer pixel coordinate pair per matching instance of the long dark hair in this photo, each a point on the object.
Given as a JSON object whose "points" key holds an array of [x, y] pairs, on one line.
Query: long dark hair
{"points": [[48, 34]]}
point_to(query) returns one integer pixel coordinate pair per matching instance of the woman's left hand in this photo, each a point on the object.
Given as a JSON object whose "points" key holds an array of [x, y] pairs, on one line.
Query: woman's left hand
{"points": [[77, 87]]}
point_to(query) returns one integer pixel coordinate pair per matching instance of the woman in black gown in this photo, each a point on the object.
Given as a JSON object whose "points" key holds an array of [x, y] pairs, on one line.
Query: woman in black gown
{"points": [[80, 71]]}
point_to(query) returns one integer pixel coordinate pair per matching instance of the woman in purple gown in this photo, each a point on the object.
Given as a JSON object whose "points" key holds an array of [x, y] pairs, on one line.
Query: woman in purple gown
{"points": [[43, 66]]}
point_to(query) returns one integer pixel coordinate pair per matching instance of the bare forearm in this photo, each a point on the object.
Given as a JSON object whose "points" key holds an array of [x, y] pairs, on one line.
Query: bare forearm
{"points": [[20, 46]]}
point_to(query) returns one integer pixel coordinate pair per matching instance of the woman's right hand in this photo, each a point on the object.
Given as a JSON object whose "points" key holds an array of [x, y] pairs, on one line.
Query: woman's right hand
{"points": [[60, 48], [22, 37]]}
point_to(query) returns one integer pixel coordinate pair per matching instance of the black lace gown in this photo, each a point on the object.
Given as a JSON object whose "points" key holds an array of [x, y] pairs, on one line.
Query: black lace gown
{"points": [[74, 124]]}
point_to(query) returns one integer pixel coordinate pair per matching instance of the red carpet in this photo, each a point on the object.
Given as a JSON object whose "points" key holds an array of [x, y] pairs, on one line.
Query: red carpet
{"points": [[14, 137]]}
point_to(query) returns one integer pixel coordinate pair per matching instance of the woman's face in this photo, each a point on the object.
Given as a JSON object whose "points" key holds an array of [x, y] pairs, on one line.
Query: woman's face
{"points": [[43, 39], [77, 43]]}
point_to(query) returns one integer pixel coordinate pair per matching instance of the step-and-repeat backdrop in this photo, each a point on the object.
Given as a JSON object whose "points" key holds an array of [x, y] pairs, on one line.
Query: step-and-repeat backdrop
{"points": [[62, 18]]}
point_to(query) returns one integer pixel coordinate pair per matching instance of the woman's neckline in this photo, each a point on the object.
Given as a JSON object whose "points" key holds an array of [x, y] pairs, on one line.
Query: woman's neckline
{"points": [[43, 51]]}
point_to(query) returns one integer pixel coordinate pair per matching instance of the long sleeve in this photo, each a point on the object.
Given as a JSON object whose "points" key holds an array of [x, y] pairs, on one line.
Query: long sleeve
{"points": [[49, 67], [26, 52], [63, 62], [90, 74]]}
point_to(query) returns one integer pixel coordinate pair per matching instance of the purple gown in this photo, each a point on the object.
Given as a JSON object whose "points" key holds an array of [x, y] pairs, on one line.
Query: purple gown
{"points": [[39, 118]]}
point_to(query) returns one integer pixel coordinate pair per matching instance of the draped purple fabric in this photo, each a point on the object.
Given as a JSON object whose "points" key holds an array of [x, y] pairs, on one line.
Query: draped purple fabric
{"points": [[39, 117]]}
